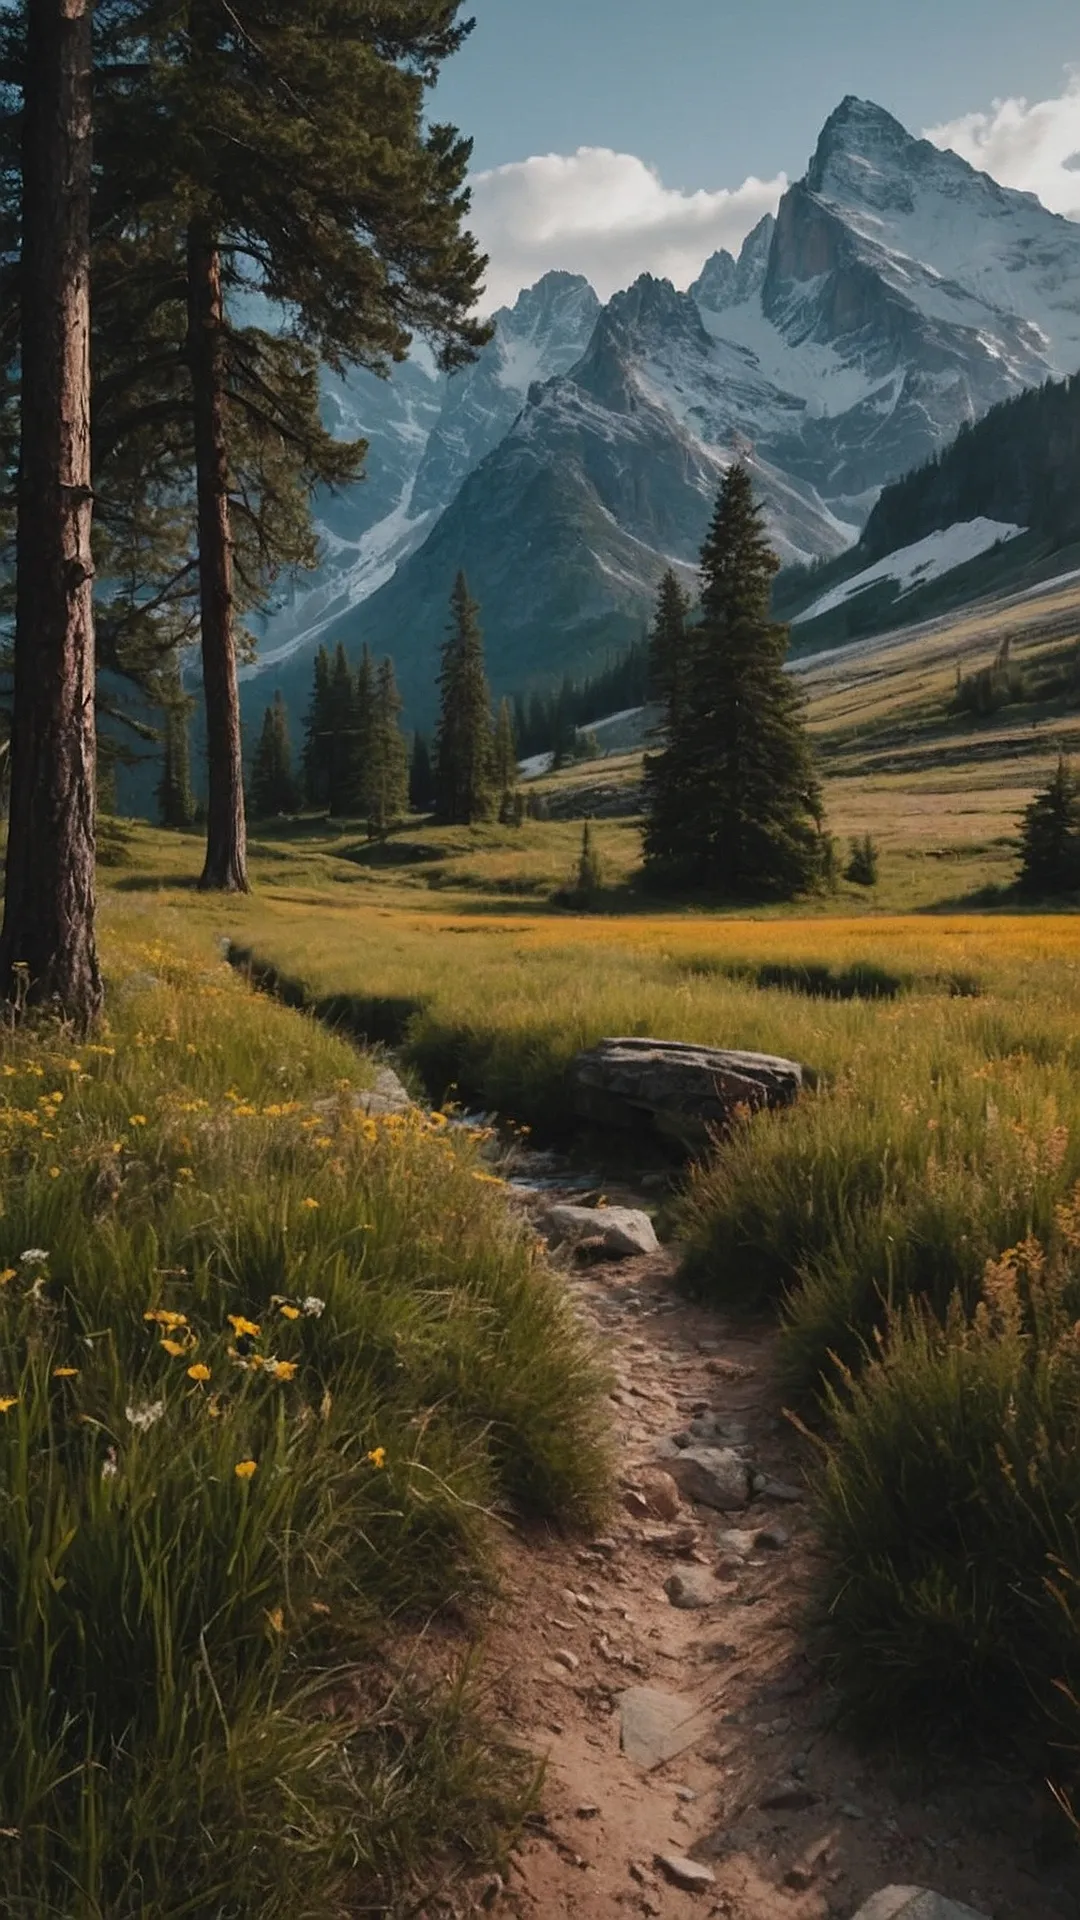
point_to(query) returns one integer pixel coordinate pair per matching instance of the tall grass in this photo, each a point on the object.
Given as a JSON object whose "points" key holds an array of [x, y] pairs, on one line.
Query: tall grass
{"points": [[267, 1368], [950, 1503]]}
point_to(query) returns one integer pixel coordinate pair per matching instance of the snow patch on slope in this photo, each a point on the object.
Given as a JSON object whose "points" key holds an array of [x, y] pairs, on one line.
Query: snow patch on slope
{"points": [[927, 559]]}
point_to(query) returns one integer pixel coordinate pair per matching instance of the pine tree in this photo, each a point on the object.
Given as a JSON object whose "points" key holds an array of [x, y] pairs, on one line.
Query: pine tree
{"points": [[342, 759], [273, 788], [668, 648], [734, 806], [388, 767], [176, 803], [48, 951], [1050, 837], [464, 786], [590, 875], [315, 754], [223, 129], [504, 764], [862, 866], [421, 776], [361, 778]]}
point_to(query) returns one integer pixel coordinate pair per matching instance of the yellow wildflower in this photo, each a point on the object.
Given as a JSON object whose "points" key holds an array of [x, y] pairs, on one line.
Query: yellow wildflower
{"points": [[244, 1469], [54, 1173], [249, 1329], [310, 1204], [282, 1369], [199, 1372], [377, 1456], [290, 1312], [177, 1348], [6, 1274], [185, 1173], [136, 1119], [8, 1401], [276, 1619], [163, 1317], [64, 1373], [74, 1066], [322, 1140]]}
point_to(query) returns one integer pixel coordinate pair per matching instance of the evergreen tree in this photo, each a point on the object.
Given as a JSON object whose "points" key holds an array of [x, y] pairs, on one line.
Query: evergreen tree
{"points": [[862, 867], [387, 781], [48, 951], [1050, 837], [733, 802], [589, 877], [668, 648], [464, 784], [273, 788], [221, 129], [359, 745], [315, 754], [504, 764], [421, 776], [176, 802], [343, 793]]}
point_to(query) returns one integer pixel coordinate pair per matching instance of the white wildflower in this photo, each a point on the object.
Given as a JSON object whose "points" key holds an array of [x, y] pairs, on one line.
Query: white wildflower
{"points": [[314, 1307], [34, 1257], [146, 1416], [109, 1468]]}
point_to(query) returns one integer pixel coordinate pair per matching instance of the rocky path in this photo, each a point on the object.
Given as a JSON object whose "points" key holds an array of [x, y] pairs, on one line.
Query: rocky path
{"points": [[665, 1671]]}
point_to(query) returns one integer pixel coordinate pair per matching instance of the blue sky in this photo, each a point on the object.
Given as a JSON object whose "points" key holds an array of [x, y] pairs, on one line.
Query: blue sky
{"points": [[706, 95], [711, 90]]}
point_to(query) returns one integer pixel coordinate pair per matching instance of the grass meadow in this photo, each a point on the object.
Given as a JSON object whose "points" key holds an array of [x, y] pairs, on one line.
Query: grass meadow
{"points": [[271, 1376], [911, 1221]]}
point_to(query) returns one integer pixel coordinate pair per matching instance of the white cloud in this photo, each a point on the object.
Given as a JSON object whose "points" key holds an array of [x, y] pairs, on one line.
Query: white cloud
{"points": [[606, 215], [1035, 146]]}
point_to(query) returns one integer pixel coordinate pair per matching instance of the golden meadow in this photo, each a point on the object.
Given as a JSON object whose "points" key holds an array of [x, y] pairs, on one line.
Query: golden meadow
{"points": [[274, 1375]]}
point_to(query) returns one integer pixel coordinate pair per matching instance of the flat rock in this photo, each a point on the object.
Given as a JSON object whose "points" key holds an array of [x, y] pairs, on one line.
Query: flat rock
{"points": [[914, 1903], [686, 1092], [619, 1230], [684, 1872], [714, 1476], [655, 1726], [691, 1587]]}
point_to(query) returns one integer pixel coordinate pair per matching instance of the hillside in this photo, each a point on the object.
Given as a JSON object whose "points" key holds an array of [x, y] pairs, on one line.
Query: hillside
{"points": [[997, 508]]}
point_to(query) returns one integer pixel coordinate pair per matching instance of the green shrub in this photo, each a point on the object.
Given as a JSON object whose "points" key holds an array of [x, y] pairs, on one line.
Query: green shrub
{"points": [[862, 866]]}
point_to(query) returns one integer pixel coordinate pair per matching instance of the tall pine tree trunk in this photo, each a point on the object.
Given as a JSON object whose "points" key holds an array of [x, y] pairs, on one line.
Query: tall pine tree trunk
{"points": [[47, 946], [225, 868]]}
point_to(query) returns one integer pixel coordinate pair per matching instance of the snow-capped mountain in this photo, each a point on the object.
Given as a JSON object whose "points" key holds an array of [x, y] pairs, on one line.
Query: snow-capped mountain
{"points": [[897, 295], [425, 432]]}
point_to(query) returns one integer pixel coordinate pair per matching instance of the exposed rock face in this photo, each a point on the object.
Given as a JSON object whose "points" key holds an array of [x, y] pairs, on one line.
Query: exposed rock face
{"points": [[684, 1092]]}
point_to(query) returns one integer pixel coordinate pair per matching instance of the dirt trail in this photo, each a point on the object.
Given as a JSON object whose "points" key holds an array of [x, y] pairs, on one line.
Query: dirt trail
{"points": [[581, 1623]]}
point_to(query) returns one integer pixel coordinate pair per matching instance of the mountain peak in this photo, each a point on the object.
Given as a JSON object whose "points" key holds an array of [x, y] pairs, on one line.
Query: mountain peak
{"points": [[862, 154]]}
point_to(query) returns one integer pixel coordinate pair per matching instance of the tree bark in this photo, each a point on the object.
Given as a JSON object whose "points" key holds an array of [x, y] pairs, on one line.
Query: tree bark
{"points": [[48, 953], [225, 868]]}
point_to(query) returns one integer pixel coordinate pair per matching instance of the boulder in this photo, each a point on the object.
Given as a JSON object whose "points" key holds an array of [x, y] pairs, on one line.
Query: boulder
{"points": [[914, 1903], [713, 1476], [621, 1231], [684, 1093], [692, 1587]]}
